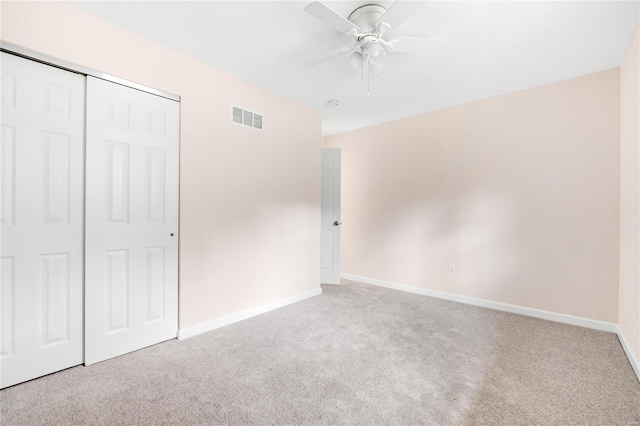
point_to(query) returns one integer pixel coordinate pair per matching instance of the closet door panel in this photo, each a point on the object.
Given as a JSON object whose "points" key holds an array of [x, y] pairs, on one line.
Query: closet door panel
{"points": [[132, 220], [42, 160]]}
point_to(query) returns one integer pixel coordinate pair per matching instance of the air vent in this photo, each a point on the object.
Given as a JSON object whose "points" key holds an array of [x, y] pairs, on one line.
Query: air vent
{"points": [[246, 118], [257, 121], [237, 115]]}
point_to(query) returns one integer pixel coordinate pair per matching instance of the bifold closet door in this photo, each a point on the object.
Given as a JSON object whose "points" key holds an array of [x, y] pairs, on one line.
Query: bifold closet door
{"points": [[42, 159], [131, 247]]}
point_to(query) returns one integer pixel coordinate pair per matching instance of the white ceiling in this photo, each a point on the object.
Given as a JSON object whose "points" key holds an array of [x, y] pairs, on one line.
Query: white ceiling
{"points": [[492, 48]]}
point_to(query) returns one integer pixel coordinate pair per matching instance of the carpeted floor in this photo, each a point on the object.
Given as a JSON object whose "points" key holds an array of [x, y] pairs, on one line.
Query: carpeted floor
{"points": [[355, 355]]}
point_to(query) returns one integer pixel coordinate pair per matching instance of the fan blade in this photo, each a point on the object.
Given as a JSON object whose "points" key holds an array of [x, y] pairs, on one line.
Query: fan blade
{"points": [[416, 45], [331, 17], [399, 12], [329, 55]]}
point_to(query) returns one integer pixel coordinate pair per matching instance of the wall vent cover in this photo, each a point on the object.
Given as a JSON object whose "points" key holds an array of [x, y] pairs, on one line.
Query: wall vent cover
{"points": [[246, 118]]}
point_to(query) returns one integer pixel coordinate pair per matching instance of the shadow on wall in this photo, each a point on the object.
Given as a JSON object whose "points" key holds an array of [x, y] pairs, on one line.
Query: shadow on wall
{"points": [[535, 233], [520, 192], [417, 242], [277, 236]]}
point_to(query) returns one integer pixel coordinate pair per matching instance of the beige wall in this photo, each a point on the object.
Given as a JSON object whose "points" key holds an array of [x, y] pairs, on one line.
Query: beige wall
{"points": [[520, 192], [249, 200], [629, 311]]}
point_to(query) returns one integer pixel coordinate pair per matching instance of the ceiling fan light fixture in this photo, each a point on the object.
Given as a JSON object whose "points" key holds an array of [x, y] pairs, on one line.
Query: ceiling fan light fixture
{"points": [[376, 53], [369, 24], [377, 68], [355, 61]]}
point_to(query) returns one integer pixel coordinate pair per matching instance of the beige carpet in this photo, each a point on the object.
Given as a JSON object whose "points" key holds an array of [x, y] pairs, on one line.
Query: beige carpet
{"points": [[355, 355]]}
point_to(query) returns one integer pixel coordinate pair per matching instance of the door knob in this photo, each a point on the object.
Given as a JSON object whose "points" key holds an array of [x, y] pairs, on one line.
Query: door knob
{"points": [[337, 223]]}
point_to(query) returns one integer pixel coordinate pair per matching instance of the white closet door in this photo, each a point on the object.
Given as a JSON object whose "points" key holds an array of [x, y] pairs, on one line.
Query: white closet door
{"points": [[131, 246], [42, 160]]}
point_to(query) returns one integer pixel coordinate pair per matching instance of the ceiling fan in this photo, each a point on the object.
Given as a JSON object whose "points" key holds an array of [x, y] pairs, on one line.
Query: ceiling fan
{"points": [[368, 24]]}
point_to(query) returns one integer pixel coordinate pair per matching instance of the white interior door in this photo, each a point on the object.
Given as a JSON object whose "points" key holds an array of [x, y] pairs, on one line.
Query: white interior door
{"points": [[42, 160], [331, 217], [131, 220]]}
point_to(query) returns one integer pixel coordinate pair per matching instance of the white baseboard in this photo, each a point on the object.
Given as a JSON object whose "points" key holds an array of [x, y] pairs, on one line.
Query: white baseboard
{"points": [[221, 322], [498, 306], [506, 307], [635, 363]]}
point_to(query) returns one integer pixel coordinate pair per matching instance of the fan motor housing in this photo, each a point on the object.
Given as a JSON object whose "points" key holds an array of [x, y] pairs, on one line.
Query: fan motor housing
{"points": [[366, 17]]}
